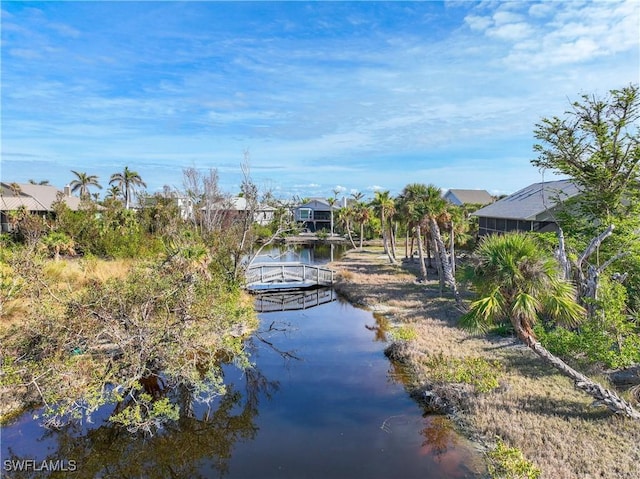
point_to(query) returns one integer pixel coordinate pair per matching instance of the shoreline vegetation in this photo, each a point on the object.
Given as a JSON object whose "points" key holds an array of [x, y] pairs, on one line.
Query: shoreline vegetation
{"points": [[532, 409]]}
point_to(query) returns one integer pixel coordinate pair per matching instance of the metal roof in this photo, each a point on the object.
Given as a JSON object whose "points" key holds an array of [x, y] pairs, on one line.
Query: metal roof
{"points": [[470, 197], [530, 202], [34, 197]]}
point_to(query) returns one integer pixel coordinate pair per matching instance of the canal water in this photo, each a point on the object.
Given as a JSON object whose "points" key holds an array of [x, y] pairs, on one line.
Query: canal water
{"points": [[321, 402]]}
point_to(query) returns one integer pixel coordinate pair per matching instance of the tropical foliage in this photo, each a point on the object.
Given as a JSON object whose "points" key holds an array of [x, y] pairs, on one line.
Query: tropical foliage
{"points": [[517, 281]]}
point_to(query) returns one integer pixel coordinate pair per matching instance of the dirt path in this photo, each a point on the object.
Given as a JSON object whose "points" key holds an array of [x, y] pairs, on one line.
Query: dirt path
{"points": [[535, 409]]}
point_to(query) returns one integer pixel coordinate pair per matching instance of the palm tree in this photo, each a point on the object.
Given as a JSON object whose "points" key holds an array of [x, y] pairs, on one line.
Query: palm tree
{"points": [[458, 228], [385, 207], [41, 183], [362, 214], [57, 242], [127, 181], [332, 202], [518, 281], [435, 208], [113, 192], [413, 205], [82, 182], [15, 188], [344, 218]]}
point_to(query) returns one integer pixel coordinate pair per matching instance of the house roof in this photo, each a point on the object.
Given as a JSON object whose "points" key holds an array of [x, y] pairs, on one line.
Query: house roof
{"points": [[34, 197], [470, 197], [319, 204], [531, 202]]}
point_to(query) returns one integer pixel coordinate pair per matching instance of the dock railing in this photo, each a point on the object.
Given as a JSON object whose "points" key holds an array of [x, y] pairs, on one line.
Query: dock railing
{"points": [[303, 275]]}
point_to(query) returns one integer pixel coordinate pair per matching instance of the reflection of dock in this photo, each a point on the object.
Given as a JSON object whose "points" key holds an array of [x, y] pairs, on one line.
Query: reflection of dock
{"points": [[293, 300], [287, 275]]}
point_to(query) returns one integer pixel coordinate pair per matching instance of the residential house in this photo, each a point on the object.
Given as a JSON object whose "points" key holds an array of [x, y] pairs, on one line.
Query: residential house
{"points": [[237, 206], [183, 204], [36, 199], [468, 197], [315, 215], [530, 209]]}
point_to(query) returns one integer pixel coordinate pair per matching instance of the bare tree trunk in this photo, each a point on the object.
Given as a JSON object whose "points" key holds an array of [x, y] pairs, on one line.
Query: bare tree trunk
{"points": [[406, 244], [445, 266], [392, 236], [423, 268], [434, 247], [428, 243], [561, 256], [452, 251], [385, 244], [361, 234], [349, 234], [605, 396], [588, 282]]}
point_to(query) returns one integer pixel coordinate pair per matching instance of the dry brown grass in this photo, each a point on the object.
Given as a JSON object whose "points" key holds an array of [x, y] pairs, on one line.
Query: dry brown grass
{"points": [[67, 277], [536, 410]]}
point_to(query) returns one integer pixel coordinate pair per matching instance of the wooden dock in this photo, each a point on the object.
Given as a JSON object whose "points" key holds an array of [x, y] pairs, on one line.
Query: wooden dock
{"points": [[287, 275]]}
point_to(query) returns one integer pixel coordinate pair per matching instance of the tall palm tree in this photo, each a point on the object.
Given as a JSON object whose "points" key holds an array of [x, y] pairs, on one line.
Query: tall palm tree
{"points": [[412, 203], [82, 182], [518, 281], [128, 181], [332, 201], [362, 214], [344, 218], [384, 205], [435, 208]]}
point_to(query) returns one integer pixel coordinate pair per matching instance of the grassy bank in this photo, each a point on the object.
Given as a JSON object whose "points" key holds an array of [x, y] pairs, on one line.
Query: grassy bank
{"points": [[533, 408]]}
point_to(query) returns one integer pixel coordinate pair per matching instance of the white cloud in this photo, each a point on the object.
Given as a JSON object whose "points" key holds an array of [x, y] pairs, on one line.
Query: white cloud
{"points": [[511, 31], [477, 22]]}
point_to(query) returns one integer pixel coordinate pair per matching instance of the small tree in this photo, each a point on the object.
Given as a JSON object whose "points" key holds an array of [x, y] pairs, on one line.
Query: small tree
{"points": [[57, 243], [517, 281], [597, 144]]}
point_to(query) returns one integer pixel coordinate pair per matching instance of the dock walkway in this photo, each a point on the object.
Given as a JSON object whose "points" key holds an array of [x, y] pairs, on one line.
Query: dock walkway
{"points": [[287, 275]]}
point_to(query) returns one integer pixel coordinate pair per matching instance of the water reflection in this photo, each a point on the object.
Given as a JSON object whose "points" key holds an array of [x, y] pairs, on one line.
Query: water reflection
{"points": [[380, 328], [202, 435], [293, 300], [321, 402]]}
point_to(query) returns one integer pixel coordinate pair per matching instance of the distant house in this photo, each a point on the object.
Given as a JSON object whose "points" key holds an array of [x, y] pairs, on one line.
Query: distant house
{"points": [[315, 215], [237, 206], [468, 197], [182, 203], [530, 209], [36, 199]]}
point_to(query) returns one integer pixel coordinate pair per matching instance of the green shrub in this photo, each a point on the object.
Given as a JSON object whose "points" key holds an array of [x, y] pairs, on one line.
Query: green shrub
{"points": [[509, 463], [481, 373], [403, 333]]}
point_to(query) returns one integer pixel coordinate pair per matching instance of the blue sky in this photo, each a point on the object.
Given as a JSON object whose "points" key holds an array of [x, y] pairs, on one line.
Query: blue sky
{"points": [[322, 95]]}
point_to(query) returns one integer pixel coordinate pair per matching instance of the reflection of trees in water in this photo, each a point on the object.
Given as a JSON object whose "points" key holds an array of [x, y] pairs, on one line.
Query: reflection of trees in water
{"points": [[381, 327], [194, 442], [439, 435]]}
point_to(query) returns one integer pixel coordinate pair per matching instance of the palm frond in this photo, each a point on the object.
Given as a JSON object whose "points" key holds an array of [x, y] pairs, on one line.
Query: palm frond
{"points": [[525, 306], [483, 312]]}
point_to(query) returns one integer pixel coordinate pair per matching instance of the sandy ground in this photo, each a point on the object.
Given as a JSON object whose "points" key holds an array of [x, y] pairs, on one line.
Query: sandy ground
{"points": [[535, 408]]}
